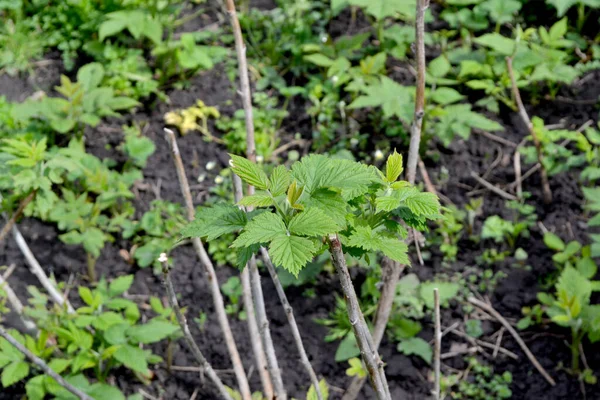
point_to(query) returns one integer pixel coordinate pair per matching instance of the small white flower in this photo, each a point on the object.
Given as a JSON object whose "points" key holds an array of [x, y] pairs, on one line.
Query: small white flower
{"points": [[201, 178], [324, 38], [259, 159], [378, 155], [163, 258], [210, 165], [219, 179], [334, 79], [353, 142], [231, 162]]}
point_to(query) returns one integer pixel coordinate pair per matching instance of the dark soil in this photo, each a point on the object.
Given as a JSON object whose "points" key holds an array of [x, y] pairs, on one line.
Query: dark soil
{"points": [[407, 375]]}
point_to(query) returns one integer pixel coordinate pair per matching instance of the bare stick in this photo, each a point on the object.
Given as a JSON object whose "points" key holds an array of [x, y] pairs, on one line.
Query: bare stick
{"points": [[43, 366], [493, 188], [15, 216], [16, 305], [518, 179], [482, 343], [255, 339], [369, 352], [187, 335], [289, 312], [489, 309], [526, 175], [240, 49], [428, 185], [209, 269], [496, 138], [415, 129], [527, 122], [37, 270], [437, 348]]}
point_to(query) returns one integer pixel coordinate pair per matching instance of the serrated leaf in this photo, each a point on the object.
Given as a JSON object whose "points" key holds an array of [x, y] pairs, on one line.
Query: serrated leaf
{"points": [[446, 290], [133, 358], [152, 332], [416, 346], [291, 252], [312, 393], [386, 203], [14, 372], [497, 42], [312, 222], [395, 249], [393, 98], [280, 180], [249, 172], [119, 285], [261, 229], [330, 203], [365, 238], [261, 199], [213, 222], [393, 167], [35, 388], [424, 204]]}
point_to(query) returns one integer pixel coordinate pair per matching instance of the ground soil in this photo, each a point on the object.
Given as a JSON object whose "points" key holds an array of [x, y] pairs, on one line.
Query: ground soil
{"points": [[407, 375]]}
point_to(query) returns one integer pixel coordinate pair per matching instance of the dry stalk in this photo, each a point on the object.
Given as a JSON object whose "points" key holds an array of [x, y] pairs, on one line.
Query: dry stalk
{"points": [[187, 335], [289, 312], [16, 215], [209, 269], [437, 348], [43, 366], [527, 122], [16, 305]]}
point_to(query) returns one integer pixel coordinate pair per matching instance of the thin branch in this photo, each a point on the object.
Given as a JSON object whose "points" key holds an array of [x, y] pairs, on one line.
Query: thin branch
{"points": [[518, 178], [209, 269], [489, 309], [493, 188], [437, 348], [261, 314], [527, 122], [482, 343], [369, 352], [16, 304], [289, 312], [187, 335], [496, 138], [43, 366], [37, 270], [16, 215], [526, 175], [255, 339]]}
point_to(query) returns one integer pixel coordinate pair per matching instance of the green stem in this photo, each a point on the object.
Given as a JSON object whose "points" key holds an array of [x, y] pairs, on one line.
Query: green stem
{"points": [[580, 16], [91, 267], [576, 342]]}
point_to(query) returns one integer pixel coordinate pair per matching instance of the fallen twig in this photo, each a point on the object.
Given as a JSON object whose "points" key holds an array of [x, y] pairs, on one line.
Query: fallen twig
{"points": [[437, 348], [527, 122], [496, 138], [518, 178], [187, 335], [16, 304], [485, 344], [526, 175], [209, 269], [493, 188], [489, 309], [43, 366]]}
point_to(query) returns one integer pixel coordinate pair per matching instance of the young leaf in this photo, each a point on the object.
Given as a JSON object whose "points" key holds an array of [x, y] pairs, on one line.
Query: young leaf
{"points": [[312, 393], [261, 229], [250, 172], [553, 241], [424, 204], [330, 203], [280, 180], [394, 249], [133, 358], [497, 42], [261, 199], [356, 368], [14, 372], [213, 222], [393, 167], [312, 222], [416, 346], [291, 252], [119, 285], [152, 332]]}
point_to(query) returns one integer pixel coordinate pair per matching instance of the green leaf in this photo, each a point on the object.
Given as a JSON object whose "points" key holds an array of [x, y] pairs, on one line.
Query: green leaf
{"points": [[356, 368], [120, 285], [153, 30], [446, 95], [213, 222], [439, 67], [14, 372], [386, 203], [319, 59], [383, 8], [497, 42], [132, 357], [365, 238], [347, 349], [35, 388], [561, 6], [587, 267], [250, 172], [86, 295], [447, 291], [152, 332], [574, 285], [280, 180], [110, 27], [416, 346], [90, 75], [261, 229], [393, 167], [424, 204], [58, 365], [291, 252], [312, 222], [393, 98], [312, 393], [261, 199], [331, 203], [121, 103], [553, 241], [104, 391], [395, 249]]}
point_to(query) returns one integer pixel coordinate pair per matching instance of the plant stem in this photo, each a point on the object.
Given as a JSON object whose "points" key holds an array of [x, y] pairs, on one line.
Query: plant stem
{"points": [[289, 312], [43, 366], [209, 269], [91, 267], [9, 224], [575, 344], [369, 352], [17, 306], [255, 338], [437, 349], [527, 122], [189, 339]]}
